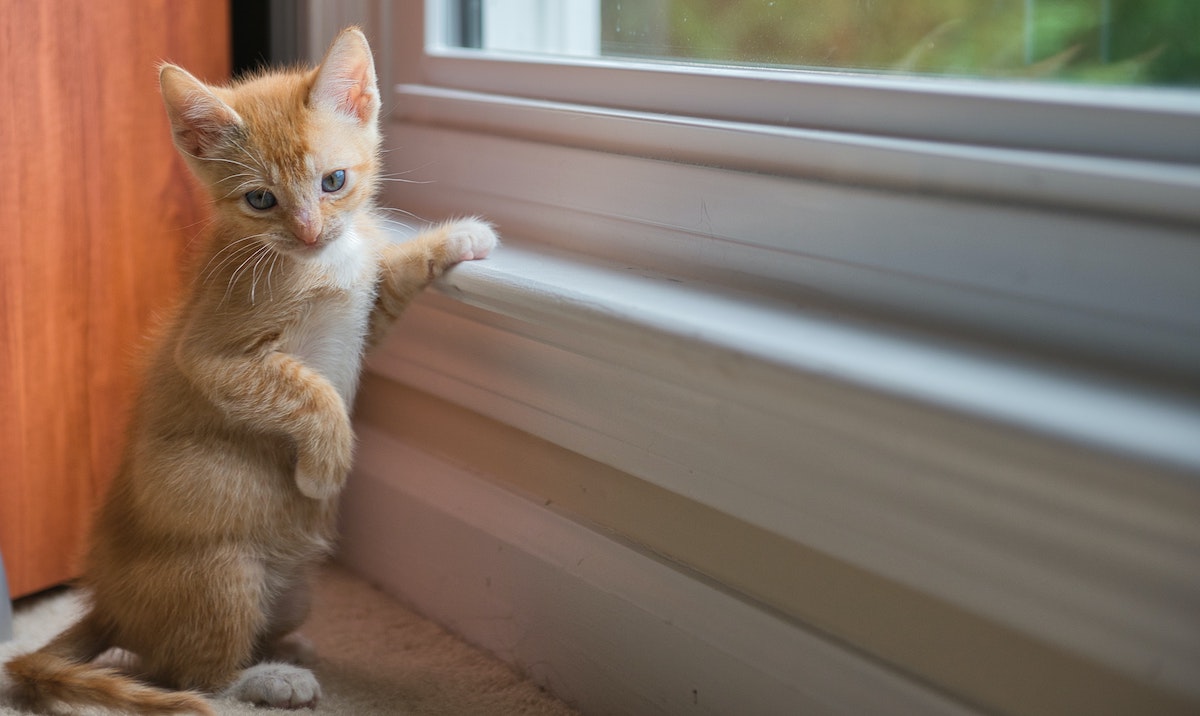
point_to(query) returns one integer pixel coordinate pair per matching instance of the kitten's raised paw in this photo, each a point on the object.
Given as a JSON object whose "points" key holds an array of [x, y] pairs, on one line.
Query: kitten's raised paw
{"points": [[470, 239], [281, 686]]}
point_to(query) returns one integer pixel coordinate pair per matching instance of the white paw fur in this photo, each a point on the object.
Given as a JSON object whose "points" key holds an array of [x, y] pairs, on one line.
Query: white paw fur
{"points": [[470, 239], [282, 686]]}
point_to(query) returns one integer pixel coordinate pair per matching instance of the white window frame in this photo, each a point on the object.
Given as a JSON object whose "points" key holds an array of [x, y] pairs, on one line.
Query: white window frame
{"points": [[540, 26], [1130, 153], [986, 288]]}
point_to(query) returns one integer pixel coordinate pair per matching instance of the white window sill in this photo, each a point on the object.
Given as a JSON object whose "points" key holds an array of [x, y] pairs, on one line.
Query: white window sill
{"points": [[717, 328], [1055, 504]]}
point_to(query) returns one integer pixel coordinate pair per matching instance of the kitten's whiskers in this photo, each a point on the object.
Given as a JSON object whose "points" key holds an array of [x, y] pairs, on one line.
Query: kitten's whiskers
{"points": [[220, 159], [402, 211], [251, 261], [397, 223], [253, 157], [394, 176], [233, 249], [271, 270], [253, 181]]}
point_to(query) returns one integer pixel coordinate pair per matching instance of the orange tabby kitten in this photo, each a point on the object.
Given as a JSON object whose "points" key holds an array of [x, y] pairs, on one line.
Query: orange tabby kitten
{"points": [[240, 440]]}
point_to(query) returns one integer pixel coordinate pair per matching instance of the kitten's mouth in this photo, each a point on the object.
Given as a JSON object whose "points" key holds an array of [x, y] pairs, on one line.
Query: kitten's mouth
{"points": [[305, 249]]}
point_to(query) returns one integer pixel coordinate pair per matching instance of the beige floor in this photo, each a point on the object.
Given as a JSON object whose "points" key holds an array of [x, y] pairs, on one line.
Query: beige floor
{"points": [[374, 657]]}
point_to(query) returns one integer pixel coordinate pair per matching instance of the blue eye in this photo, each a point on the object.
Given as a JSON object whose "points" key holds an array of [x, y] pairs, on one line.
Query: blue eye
{"points": [[260, 199], [334, 180]]}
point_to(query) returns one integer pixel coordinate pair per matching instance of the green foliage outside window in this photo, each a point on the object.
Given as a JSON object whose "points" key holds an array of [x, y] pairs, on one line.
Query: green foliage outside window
{"points": [[1098, 41]]}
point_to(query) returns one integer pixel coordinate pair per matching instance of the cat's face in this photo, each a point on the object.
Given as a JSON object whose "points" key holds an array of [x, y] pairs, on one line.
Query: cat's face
{"points": [[288, 157]]}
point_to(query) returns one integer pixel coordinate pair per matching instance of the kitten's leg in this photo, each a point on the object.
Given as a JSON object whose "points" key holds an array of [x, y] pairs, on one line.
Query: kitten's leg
{"points": [[208, 635], [293, 648], [197, 629], [275, 392], [410, 267], [326, 439], [280, 642], [282, 682]]}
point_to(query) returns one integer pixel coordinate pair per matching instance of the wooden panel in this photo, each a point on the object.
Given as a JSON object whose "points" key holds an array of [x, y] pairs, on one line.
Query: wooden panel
{"points": [[96, 217]]}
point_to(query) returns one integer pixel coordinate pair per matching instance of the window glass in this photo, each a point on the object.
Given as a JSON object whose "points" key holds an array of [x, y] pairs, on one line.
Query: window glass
{"points": [[1154, 42]]}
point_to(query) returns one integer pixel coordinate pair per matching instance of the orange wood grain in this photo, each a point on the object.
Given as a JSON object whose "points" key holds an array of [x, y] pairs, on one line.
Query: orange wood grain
{"points": [[95, 214]]}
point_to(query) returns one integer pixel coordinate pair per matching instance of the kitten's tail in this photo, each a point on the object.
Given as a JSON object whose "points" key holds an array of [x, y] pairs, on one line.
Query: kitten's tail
{"points": [[44, 680]]}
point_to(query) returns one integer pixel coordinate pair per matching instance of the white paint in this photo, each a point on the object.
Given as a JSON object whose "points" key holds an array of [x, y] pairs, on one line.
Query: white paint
{"points": [[605, 627]]}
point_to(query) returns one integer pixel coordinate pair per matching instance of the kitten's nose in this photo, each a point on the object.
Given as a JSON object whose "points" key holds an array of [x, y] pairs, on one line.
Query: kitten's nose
{"points": [[307, 226]]}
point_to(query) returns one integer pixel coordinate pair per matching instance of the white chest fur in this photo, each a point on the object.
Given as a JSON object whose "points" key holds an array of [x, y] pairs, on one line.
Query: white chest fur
{"points": [[330, 334]]}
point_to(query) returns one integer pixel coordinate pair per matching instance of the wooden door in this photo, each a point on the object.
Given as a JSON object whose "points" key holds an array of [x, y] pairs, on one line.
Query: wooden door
{"points": [[95, 214]]}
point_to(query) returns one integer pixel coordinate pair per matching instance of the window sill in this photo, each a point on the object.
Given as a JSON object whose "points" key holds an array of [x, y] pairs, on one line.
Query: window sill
{"points": [[1060, 506], [632, 307]]}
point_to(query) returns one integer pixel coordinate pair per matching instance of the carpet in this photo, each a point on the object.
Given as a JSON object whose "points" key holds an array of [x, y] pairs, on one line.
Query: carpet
{"points": [[374, 657]]}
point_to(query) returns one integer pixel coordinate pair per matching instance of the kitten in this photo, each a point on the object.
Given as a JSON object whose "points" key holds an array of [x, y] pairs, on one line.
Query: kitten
{"points": [[240, 440]]}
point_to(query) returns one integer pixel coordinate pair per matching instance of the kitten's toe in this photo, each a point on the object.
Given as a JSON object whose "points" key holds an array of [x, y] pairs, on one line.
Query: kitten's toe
{"points": [[281, 686], [471, 239]]}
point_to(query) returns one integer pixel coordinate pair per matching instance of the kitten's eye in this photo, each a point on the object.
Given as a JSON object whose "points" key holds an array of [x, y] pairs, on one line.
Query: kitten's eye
{"points": [[260, 199], [334, 181]]}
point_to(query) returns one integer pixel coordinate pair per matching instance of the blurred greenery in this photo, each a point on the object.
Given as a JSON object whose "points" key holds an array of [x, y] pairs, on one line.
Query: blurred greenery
{"points": [[1098, 41]]}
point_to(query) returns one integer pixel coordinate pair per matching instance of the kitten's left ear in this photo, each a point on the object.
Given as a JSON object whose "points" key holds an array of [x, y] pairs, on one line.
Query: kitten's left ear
{"points": [[199, 119], [346, 78]]}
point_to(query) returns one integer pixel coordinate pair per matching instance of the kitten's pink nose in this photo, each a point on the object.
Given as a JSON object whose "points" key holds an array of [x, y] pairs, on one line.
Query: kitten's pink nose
{"points": [[307, 226]]}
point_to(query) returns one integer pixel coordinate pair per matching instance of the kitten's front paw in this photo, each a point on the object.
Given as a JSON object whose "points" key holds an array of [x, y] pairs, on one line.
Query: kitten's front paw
{"points": [[319, 480], [470, 239], [280, 686], [325, 459]]}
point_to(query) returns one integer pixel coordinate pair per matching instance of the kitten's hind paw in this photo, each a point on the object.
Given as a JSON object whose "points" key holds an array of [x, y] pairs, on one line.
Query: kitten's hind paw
{"points": [[281, 686], [470, 239]]}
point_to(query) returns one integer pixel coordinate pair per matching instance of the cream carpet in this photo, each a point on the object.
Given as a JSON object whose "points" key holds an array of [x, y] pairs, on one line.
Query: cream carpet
{"points": [[374, 657]]}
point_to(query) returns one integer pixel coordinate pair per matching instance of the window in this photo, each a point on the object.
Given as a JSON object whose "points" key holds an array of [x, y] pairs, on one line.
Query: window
{"points": [[888, 192], [1087, 41], [1055, 220], [968, 308]]}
